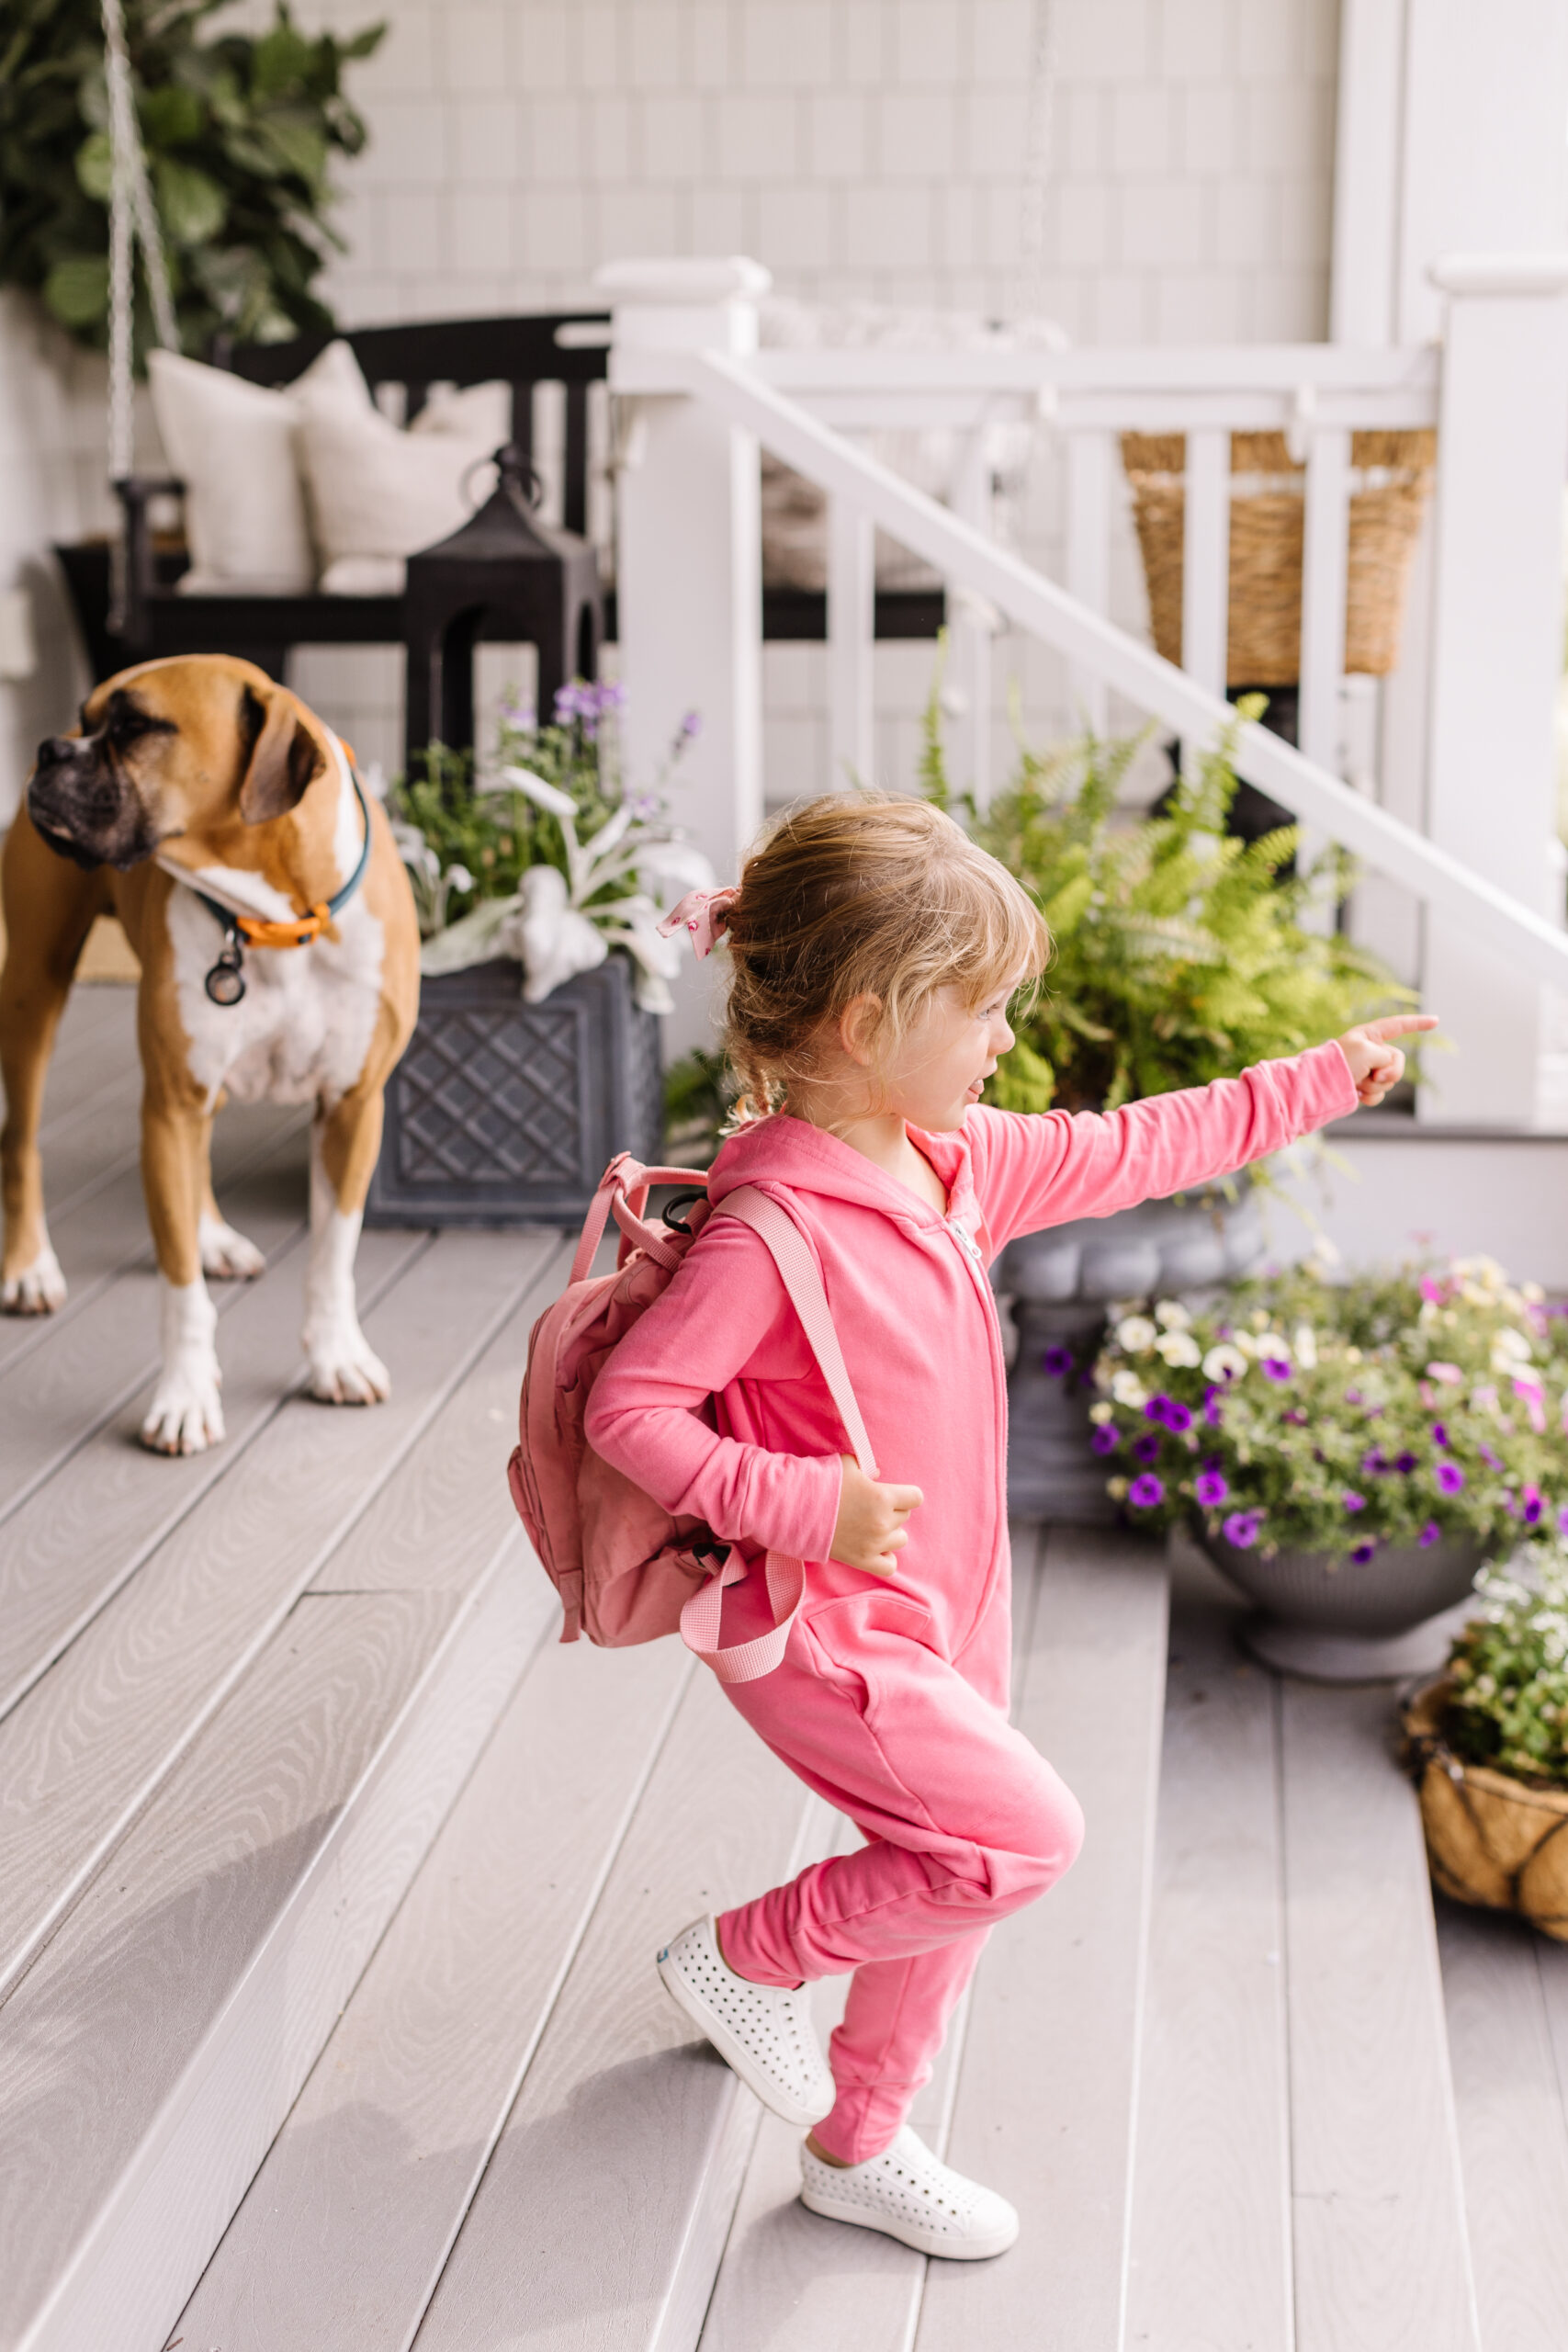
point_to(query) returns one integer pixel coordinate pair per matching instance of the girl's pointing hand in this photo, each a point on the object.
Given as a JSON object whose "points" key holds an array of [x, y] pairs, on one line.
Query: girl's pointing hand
{"points": [[869, 1531], [1376, 1063]]}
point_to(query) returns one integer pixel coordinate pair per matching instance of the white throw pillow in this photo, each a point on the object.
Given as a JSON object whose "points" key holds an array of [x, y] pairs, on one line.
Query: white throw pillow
{"points": [[479, 411], [377, 494], [232, 443]]}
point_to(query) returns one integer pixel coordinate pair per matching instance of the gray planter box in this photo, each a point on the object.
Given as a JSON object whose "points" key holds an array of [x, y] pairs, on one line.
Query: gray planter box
{"points": [[502, 1112], [1348, 1621], [1060, 1281]]}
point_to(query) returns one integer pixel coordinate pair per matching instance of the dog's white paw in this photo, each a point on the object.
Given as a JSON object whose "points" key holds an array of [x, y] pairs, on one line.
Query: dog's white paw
{"points": [[345, 1369], [36, 1289], [227, 1256], [185, 1416]]}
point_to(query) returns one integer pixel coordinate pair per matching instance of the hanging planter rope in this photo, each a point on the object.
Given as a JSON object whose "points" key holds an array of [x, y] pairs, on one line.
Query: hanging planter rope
{"points": [[133, 220], [1492, 1840]]}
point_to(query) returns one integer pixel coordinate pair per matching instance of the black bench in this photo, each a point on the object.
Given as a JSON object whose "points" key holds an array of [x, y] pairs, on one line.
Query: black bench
{"points": [[569, 348]]}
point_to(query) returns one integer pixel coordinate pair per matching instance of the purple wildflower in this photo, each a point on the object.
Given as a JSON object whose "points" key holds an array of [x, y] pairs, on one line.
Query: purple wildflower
{"points": [[1439, 1433], [1450, 1477], [1146, 1492], [1363, 1552], [1145, 1448], [1353, 1397], [1212, 1412], [1352, 1500], [1241, 1528], [1058, 1361], [1212, 1488], [1276, 1368], [1533, 1506], [1375, 1463], [1404, 1463], [1431, 1534], [1105, 1439]]}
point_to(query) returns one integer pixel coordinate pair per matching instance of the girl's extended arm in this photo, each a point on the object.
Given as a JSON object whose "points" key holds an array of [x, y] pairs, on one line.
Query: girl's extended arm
{"points": [[1034, 1170], [725, 1306]]}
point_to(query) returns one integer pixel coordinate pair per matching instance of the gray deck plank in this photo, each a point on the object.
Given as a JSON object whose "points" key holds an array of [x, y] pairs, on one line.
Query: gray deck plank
{"points": [[95, 1038], [1211, 2231], [349, 2222], [423, 1527], [1381, 2248], [159, 2041], [1497, 1974], [88, 1365], [602, 2213], [74, 1543], [102, 1227], [1049, 2079], [85, 1747]]}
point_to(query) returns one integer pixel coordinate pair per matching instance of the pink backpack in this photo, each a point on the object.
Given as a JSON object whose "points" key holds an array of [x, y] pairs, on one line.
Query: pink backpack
{"points": [[626, 1570]]}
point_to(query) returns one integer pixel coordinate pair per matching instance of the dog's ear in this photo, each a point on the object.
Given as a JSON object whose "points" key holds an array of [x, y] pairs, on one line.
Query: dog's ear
{"points": [[286, 756]]}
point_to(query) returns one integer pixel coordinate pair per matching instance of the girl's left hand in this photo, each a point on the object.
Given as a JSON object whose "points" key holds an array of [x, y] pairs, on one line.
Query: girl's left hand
{"points": [[1376, 1064]]}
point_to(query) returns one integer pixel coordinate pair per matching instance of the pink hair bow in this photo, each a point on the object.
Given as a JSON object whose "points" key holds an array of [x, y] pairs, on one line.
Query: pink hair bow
{"points": [[704, 914]]}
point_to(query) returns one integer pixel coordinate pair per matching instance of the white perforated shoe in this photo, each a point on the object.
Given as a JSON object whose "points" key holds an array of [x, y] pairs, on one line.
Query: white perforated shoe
{"points": [[911, 2194], [763, 2031]]}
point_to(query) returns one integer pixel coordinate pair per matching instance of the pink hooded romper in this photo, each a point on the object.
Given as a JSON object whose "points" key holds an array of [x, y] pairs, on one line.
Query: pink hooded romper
{"points": [[892, 1697]]}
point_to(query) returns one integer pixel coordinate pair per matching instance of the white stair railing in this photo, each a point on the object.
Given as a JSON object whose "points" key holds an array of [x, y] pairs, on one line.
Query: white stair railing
{"points": [[807, 406]]}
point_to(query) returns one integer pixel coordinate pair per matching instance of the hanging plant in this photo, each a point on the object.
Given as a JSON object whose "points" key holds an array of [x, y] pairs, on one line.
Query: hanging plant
{"points": [[240, 132]]}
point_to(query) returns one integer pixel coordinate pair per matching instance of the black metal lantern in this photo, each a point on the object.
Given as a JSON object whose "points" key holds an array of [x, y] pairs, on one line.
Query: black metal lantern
{"points": [[510, 579]]}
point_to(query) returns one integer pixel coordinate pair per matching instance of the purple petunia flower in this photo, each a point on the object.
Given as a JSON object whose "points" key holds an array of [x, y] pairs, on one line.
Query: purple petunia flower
{"points": [[1275, 1368], [1450, 1477], [1145, 1448], [1406, 1463], [1363, 1552], [1352, 1500], [1439, 1433], [1352, 1396], [1297, 1418], [1533, 1506], [1431, 1534], [1375, 1463], [1210, 1488], [1105, 1439], [1241, 1528], [1146, 1492], [1058, 1361], [1492, 1461], [1211, 1410]]}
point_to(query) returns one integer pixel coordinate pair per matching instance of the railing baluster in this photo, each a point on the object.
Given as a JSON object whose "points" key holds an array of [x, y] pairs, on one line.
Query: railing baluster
{"points": [[970, 625], [1088, 559], [1326, 552], [1205, 578], [851, 644]]}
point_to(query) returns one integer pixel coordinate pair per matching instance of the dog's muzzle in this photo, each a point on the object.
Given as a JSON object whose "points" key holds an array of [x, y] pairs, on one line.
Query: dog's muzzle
{"points": [[83, 810]]}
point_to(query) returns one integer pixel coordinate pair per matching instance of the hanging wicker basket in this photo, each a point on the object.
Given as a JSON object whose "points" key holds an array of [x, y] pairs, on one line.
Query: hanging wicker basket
{"points": [[1491, 1840], [1391, 480]]}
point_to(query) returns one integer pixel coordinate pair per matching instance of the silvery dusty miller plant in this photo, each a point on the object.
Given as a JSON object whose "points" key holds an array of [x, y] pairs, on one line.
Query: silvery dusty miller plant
{"points": [[1337, 1418]]}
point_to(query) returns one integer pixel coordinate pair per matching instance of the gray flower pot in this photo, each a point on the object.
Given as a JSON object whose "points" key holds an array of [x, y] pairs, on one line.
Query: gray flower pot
{"points": [[1353, 1622], [502, 1112], [1060, 1281]]}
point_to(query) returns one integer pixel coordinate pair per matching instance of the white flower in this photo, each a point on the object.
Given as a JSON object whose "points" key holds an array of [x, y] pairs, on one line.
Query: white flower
{"points": [[1306, 1347], [1172, 1315], [1509, 1347], [1272, 1345], [1101, 1411], [1247, 1342], [1136, 1334], [1178, 1348], [1223, 1362], [1129, 1390]]}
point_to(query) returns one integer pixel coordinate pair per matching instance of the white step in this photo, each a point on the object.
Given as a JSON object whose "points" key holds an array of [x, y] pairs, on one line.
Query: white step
{"points": [[1298, 2184]]}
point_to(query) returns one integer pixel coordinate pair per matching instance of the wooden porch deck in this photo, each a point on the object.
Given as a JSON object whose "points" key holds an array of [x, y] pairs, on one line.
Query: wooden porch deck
{"points": [[329, 1883]]}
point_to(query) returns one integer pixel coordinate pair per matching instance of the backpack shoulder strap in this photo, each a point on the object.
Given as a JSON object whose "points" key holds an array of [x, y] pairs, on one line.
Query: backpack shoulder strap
{"points": [[798, 1271]]}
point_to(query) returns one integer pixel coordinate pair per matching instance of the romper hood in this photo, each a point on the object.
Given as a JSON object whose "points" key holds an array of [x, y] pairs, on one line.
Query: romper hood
{"points": [[781, 1150]]}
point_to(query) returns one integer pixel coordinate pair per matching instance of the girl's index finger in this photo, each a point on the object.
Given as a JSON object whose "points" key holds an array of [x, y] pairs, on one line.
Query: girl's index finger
{"points": [[1398, 1024]]}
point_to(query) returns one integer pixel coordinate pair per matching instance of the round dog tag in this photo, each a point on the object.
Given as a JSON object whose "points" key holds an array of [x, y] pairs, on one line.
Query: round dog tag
{"points": [[226, 982]]}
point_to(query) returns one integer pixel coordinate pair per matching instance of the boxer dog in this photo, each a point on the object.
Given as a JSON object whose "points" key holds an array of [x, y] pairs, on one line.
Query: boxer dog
{"points": [[263, 892]]}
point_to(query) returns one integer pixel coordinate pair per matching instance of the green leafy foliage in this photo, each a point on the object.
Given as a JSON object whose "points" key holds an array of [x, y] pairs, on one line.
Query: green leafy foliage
{"points": [[1393, 1410], [240, 132], [1508, 1701], [1181, 954]]}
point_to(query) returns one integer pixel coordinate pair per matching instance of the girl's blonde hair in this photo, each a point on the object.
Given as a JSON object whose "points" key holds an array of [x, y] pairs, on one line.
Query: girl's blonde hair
{"points": [[863, 893]]}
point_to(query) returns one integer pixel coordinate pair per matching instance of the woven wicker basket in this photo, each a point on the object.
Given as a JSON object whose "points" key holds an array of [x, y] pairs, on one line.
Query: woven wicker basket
{"points": [[1391, 478], [1492, 1840]]}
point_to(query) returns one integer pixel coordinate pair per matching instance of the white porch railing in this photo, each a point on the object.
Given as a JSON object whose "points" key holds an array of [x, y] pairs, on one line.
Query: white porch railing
{"points": [[1483, 867]]}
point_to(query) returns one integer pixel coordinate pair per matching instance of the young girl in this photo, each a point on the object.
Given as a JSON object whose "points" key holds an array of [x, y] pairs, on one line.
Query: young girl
{"points": [[873, 953]]}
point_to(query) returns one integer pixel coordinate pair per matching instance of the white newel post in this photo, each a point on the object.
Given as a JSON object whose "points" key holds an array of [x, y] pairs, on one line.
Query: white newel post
{"points": [[1496, 653], [688, 564]]}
